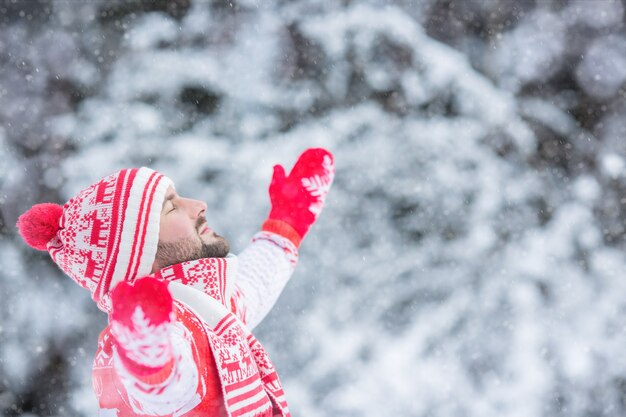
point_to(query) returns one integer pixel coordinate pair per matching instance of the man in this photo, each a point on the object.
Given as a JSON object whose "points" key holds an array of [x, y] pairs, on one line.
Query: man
{"points": [[180, 306]]}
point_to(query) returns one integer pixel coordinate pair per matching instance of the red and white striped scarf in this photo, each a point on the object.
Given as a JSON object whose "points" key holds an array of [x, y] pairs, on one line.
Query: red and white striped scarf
{"points": [[250, 384]]}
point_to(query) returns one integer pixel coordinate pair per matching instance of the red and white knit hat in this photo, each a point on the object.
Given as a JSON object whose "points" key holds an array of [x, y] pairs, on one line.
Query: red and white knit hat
{"points": [[108, 233]]}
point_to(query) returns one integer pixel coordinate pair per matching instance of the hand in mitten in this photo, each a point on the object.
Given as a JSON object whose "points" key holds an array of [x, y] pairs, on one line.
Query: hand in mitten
{"points": [[141, 321], [298, 199]]}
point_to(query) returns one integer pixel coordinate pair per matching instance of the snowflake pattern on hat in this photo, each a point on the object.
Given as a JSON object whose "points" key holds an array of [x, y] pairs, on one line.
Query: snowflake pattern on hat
{"points": [[109, 232]]}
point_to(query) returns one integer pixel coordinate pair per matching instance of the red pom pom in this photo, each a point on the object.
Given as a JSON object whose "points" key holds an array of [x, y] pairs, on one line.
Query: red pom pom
{"points": [[40, 224]]}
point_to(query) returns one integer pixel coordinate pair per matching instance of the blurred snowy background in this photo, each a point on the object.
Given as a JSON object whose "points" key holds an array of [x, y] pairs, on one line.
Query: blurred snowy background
{"points": [[471, 258]]}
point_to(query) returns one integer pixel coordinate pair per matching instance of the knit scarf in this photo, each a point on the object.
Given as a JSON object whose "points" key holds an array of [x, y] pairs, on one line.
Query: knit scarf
{"points": [[250, 384]]}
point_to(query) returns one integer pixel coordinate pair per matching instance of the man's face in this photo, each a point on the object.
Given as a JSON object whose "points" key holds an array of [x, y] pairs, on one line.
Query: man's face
{"points": [[184, 234]]}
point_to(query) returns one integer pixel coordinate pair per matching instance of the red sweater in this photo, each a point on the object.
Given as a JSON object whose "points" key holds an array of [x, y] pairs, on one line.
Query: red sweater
{"points": [[217, 367]]}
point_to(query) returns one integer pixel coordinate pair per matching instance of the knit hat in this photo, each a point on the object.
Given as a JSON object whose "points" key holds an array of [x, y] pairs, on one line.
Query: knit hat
{"points": [[108, 233]]}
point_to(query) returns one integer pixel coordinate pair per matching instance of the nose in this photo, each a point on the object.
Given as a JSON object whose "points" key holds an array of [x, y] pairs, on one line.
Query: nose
{"points": [[195, 208]]}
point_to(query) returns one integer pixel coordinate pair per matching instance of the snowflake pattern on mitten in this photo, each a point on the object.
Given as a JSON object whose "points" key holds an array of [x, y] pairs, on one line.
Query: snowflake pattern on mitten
{"points": [[144, 343], [319, 185]]}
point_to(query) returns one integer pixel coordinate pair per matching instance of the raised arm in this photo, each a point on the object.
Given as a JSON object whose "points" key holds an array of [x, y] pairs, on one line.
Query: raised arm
{"points": [[267, 263], [153, 356]]}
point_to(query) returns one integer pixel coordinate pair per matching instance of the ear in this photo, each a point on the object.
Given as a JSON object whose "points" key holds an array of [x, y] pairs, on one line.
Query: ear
{"points": [[155, 266]]}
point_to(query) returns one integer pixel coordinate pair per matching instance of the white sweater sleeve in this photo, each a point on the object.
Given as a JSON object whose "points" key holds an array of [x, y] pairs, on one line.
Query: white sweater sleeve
{"points": [[265, 266]]}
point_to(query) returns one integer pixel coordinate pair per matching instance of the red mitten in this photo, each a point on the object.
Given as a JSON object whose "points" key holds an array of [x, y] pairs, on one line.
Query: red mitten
{"points": [[141, 320], [298, 199]]}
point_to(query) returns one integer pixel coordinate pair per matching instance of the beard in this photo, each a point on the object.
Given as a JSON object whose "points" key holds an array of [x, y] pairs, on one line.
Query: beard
{"points": [[190, 249]]}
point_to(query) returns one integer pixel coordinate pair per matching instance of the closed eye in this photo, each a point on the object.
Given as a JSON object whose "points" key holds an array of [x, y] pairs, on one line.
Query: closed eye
{"points": [[172, 204]]}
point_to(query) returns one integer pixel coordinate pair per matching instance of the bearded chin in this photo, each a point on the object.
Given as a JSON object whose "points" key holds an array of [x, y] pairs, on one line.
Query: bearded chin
{"points": [[185, 250], [217, 249]]}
